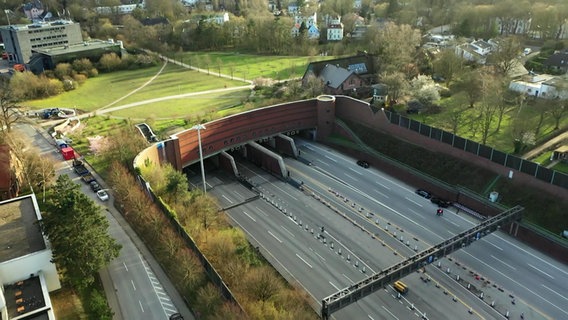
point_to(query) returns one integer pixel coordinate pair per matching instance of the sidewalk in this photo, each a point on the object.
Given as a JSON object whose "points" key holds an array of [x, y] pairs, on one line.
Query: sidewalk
{"points": [[544, 147]]}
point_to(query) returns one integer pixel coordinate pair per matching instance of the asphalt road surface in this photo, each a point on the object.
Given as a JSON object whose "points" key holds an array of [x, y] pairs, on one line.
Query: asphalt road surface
{"points": [[284, 223]]}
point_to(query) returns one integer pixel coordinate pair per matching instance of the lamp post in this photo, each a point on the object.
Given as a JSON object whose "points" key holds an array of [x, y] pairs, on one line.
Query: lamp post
{"points": [[200, 127]]}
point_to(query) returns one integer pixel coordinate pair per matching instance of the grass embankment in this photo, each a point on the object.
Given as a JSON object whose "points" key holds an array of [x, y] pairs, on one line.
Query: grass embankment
{"points": [[470, 126], [259, 289], [540, 208]]}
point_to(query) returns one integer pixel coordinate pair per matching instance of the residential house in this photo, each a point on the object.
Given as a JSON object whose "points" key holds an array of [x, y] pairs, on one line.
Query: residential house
{"points": [[27, 272], [293, 9], [541, 86], [310, 22], [477, 51], [338, 80], [557, 62], [335, 30], [33, 10], [513, 26], [218, 18], [357, 4], [363, 65]]}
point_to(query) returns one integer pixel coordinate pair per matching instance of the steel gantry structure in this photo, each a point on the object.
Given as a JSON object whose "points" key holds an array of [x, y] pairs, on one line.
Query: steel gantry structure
{"points": [[367, 286]]}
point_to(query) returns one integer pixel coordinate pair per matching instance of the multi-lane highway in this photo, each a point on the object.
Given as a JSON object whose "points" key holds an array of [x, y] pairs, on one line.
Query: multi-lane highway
{"points": [[286, 224]]}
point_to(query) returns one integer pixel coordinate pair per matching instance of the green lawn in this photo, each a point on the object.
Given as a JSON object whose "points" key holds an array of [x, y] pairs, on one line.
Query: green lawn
{"points": [[175, 80], [561, 167], [501, 140], [248, 66], [99, 91], [189, 107]]}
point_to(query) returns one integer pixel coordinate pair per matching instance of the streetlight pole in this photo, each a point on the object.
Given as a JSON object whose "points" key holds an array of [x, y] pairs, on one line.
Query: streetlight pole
{"points": [[200, 127]]}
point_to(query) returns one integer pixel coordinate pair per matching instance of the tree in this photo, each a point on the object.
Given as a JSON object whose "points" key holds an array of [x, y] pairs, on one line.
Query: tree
{"points": [[63, 71], [456, 116], [504, 57], [448, 65], [423, 89], [395, 45], [470, 84], [396, 84], [9, 110], [124, 153], [490, 97], [78, 233], [110, 61], [313, 86], [558, 111]]}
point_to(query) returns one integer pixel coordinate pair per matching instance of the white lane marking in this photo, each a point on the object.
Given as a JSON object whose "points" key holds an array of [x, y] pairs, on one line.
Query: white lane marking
{"points": [[346, 277], [357, 172], [288, 231], [140, 302], [275, 237], [382, 185], [382, 194], [261, 211], [387, 310], [416, 213], [133, 286], [517, 283], [503, 262], [336, 288], [455, 224], [370, 317], [230, 201], [489, 242], [525, 251], [125, 267], [253, 219], [309, 265], [238, 194], [170, 310], [537, 269], [416, 203], [330, 158], [349, 176], [558, 294], [317, 254]]}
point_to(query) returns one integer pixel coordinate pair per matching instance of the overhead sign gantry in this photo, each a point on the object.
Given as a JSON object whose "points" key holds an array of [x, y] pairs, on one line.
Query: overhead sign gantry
{"points": [[367, 286]]}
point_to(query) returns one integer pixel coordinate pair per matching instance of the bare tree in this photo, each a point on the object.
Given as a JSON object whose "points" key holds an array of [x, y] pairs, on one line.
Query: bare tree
{"points": [[557, 112], [396, 83], [504, 58], [9, 110]]}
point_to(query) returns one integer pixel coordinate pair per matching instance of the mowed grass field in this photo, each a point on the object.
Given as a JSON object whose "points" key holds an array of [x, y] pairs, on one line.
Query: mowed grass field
{"points": [[99, 92], [248, 66]]}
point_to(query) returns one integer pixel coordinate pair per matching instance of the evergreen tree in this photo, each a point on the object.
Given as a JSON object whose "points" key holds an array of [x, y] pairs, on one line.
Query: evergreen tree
{"points": [[78, 233]]}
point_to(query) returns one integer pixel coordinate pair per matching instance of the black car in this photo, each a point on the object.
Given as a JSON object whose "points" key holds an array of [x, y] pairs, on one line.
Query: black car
{"points": [[423, 193], [95, 186], [441, 202], [363, 163], [176, 316]]}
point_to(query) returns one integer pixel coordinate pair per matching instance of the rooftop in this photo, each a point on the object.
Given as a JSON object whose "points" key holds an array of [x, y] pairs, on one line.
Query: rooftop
{"points": [[25, 299], [36, 25], [94, 44], [19, 232]]}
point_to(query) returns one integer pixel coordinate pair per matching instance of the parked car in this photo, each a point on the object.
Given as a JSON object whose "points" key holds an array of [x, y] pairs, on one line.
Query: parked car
{"points": [[95, 186], [103, 195], [363, 163], [423, 193], [441, 202]]}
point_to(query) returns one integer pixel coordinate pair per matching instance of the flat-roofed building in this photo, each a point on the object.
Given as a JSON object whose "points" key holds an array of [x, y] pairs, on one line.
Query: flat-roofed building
{"points": [[22, 39], [27, 274]]}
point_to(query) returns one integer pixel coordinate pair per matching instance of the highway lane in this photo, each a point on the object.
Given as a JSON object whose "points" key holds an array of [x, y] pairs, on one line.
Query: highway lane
{"points": [[139, 290], [531, 276], [310, 208]]}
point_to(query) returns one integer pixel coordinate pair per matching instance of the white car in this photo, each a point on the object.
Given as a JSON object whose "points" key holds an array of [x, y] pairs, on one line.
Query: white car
{"points": [[103, 195]]}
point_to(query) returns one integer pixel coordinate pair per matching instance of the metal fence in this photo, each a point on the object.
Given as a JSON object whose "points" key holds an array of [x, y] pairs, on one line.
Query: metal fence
{"points": [[507, 160]]}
